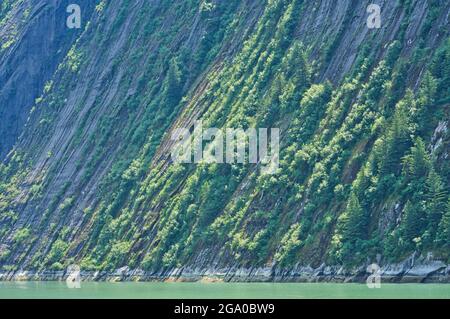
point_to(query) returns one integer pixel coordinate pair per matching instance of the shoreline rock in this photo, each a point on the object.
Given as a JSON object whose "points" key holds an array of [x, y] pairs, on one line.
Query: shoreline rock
{"points": [[409, 271]]}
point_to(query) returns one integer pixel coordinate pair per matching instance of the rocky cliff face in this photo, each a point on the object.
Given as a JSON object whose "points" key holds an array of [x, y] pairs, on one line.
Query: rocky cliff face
{"points": [[35, 40], [91, 181]]}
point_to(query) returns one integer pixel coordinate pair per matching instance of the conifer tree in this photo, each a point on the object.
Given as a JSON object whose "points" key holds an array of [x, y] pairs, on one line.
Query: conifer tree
{"points": [[426, 108], [352, 229], [443, 234], [413, 224], [436, 202]]}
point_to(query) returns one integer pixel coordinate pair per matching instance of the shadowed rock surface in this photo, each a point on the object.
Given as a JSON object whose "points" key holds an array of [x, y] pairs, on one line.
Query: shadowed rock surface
{"points": [[90, 180]]}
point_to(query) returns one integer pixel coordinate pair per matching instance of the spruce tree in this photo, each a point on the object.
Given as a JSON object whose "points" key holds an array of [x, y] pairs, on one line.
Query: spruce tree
{"points": [[443, 234], [413, 224], [435, 204]]}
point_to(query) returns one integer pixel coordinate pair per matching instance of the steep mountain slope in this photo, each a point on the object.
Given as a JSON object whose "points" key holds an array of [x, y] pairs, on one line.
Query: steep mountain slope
{"points": [[363, 115], [29, 59]]}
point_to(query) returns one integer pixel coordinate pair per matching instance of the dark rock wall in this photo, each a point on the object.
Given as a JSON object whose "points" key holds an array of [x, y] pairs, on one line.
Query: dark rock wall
{"points": [[42, 40]]}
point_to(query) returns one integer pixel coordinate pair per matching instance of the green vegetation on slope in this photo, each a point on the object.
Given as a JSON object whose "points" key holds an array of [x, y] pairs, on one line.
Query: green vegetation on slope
{"points": [[358, 173]]}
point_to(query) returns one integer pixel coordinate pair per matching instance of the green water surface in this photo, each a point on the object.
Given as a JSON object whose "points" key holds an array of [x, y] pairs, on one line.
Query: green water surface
{"points": [[159, 290]]}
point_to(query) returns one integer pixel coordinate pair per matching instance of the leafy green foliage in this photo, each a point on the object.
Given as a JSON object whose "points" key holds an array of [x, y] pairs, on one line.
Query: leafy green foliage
{"points": [[358, 175]]}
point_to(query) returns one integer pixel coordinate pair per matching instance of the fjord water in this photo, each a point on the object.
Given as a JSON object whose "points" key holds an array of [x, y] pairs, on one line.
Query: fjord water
{"points": [[159, 290]]}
